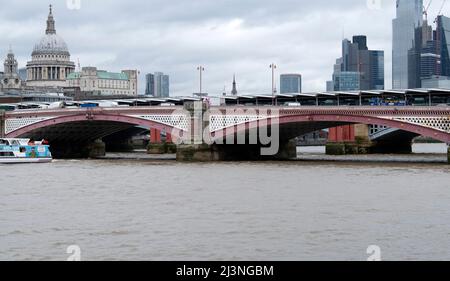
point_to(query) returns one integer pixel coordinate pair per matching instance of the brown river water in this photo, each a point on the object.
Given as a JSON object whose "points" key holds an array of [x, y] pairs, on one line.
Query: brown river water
{"points": [[123, 209]]}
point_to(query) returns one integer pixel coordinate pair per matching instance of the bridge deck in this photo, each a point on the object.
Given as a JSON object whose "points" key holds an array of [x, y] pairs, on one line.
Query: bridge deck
{"points": [[347, 110]]}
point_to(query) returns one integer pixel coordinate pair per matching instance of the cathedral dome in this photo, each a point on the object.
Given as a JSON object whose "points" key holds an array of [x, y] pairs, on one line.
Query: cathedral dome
{"points": [[51, 44]]}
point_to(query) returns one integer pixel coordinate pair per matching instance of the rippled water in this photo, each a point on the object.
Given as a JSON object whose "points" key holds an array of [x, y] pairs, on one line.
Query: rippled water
{"points": [[164, 210]]}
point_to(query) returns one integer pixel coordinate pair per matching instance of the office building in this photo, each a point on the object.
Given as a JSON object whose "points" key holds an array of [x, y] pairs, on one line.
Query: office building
{"points": [[157, 85], [436, 82], [290, 83], [347, 81], [359, 68], [101, 82], [408, 19], [150, 85], [443, 42]]}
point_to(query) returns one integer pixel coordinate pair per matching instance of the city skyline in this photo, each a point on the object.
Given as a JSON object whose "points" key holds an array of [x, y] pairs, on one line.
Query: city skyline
{"points": [[226, 42]]}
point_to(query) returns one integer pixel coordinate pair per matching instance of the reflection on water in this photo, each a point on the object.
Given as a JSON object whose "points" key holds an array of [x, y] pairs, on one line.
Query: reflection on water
{"points": [[164, 210]]}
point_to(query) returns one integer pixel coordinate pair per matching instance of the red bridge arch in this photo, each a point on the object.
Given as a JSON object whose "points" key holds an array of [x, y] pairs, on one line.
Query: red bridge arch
{"points": [[339, 120], [83, 117]]}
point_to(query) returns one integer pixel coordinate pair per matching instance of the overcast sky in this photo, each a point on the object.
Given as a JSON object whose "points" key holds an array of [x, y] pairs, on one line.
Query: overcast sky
{"points": [[225, 36]]}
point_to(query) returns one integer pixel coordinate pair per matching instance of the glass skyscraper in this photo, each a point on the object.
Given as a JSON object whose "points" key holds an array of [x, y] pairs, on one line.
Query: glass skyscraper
{"points": [[376, 70], [150, 85], [409, 17], [359, 68], [157, 85], [443, 41], [290, 83], [347, 81]]}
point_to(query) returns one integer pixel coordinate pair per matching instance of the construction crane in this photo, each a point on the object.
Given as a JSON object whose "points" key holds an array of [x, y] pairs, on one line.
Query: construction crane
{"points": [[440, 10], [425, 9]]}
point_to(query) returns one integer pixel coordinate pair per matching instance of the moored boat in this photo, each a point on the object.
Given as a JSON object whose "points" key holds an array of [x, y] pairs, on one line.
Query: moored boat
{"points": [[14, 151]]}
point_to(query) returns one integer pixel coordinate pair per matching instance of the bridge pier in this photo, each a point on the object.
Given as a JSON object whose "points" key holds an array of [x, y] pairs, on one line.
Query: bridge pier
{"points": [[211, 153], [162, 148], [354, 139], [349, 139], [158, 145]]}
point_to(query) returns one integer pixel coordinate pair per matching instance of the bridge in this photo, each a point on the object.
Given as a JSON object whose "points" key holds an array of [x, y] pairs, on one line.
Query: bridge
{"points": [[217, 132]]}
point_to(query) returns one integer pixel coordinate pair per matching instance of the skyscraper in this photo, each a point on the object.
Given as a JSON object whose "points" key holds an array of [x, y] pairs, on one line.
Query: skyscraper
{"points": [[443, 41], [359, 68], [290, 83], [409, 18], [157, 85], [149, 85], [428, 59]]}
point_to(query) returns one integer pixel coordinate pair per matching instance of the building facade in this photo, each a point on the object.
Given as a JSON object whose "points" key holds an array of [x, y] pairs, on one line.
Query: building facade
{"points": [[290, 83], [408, 19], [157, 85], [100, 82], [50, 64]]}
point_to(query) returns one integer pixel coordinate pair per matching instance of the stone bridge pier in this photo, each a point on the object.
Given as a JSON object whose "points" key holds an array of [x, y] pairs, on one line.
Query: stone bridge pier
{"points": [[227, 152]]}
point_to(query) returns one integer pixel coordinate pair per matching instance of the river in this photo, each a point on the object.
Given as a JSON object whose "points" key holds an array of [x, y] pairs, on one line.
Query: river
{"points": [[163, 210]]}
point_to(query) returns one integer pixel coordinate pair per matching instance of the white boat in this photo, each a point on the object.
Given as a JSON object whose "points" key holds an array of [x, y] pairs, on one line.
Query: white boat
{"points": [[14, 151]]}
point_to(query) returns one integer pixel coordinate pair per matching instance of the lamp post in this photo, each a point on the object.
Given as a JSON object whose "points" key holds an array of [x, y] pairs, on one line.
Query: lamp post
{"points": [[200, 69], [273, 67]]}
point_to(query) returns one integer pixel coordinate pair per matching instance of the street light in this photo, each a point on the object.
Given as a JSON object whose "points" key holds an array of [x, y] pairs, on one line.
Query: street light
{"points": [[273, 67], [200, 69]]}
